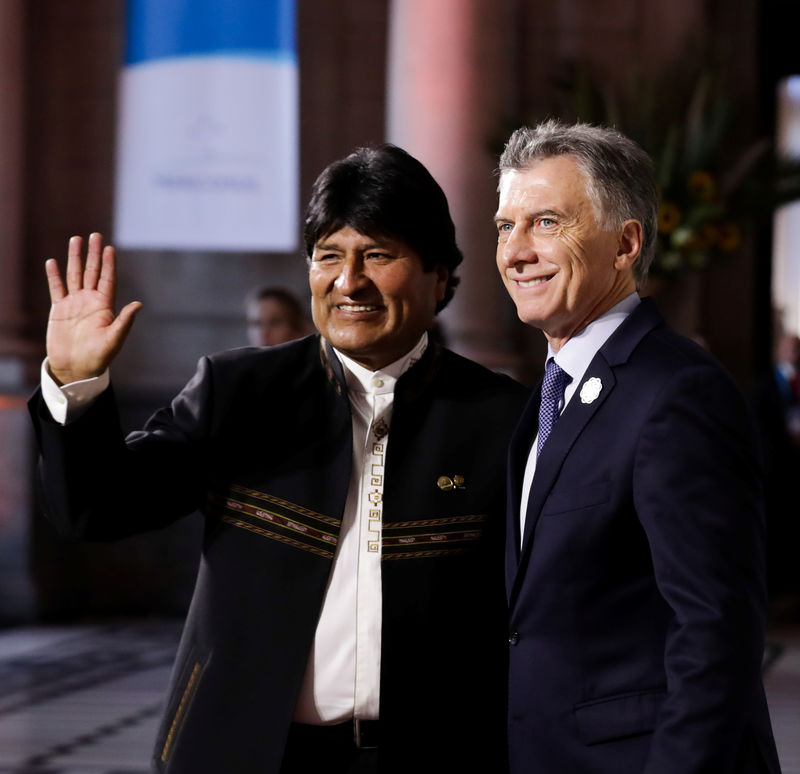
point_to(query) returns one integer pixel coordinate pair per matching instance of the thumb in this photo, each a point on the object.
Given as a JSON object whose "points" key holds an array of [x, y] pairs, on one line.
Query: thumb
{"points": [[124, 321]]}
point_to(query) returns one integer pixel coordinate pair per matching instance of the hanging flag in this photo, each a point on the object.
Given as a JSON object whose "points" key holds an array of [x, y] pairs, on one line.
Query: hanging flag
{"points": [[207, 155]]}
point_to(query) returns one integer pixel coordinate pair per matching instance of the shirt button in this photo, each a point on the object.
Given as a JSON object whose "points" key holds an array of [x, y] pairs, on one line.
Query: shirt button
{"points": [[513, 638], [377, 381]]}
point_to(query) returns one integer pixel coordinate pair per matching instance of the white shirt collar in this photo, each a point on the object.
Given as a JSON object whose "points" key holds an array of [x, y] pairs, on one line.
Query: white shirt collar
{"points": [[361, 379], [574, 357]]}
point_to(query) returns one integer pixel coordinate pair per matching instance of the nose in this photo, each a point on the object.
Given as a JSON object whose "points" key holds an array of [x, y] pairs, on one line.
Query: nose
{"points": [[351, 277], [517, 248]]}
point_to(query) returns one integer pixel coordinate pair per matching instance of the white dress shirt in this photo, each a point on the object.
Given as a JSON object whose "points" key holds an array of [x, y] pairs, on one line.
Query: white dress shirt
{"points": [[574, 357], [342, 679]]}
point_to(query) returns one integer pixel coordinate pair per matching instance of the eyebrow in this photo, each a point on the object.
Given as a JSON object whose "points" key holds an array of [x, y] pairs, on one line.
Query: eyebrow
{"points": [[368, 246], [327, 246], [546, 212]]}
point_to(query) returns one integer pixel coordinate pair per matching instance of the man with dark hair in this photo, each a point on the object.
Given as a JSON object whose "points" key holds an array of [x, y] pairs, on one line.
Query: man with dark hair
{"points": [[635, 535], [348, 614], [274, 316], [386, 192]]}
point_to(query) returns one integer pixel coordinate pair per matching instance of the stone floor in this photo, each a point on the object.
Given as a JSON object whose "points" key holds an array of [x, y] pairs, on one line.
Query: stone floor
{"points": [[87, 699]]}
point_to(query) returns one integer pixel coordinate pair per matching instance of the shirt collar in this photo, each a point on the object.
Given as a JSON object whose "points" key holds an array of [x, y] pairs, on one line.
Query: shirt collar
{"points": [[361, 379], [574, 357]]}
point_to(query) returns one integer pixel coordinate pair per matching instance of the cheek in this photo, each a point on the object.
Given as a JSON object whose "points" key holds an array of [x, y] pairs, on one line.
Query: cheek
{"points": [[320, 285], [317, 307]]}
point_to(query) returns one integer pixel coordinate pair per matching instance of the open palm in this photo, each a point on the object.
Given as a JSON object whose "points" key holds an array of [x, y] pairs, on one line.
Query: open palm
{"points": [[84, 333]]}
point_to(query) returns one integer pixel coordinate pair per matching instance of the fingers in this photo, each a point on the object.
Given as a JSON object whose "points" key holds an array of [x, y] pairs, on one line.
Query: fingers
{"points": [[107, 282], [99, 272], [54, 282], [91, 273], [74, 265]]}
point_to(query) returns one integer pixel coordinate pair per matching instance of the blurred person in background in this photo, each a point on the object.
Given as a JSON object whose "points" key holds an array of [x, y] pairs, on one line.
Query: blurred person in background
{"points": [[274, 316]]}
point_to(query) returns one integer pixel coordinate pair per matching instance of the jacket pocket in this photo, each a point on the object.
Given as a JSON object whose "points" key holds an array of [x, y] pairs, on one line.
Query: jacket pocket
{"points": [[576, 498], [616, 717], [178, 708]]}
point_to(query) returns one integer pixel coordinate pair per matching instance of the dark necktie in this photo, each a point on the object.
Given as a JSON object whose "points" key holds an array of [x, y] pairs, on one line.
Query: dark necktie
{"points": [[555, 380]]}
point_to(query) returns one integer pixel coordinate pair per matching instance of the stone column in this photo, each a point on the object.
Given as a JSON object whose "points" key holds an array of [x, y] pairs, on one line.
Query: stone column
{"points": [[16, 595], [448, 94]]}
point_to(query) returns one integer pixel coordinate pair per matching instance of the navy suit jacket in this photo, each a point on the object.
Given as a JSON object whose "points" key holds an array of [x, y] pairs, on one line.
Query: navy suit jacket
{"points": [[260, 441], [637, 593]]}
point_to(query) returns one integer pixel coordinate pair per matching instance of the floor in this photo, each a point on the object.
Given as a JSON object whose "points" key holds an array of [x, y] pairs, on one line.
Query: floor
{"points": [[87, 699], [83, 699]]}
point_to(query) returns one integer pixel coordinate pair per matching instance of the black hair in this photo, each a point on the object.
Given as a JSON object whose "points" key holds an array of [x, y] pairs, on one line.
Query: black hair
{"points": [[382, 191]]}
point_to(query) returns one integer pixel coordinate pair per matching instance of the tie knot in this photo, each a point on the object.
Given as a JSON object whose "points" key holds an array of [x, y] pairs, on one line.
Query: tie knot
{"points": [[555, 379]]}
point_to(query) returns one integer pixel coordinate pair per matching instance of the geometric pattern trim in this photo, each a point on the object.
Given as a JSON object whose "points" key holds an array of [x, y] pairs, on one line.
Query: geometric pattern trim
{"points": [[188, 692], [431, 537], [277, 519]]}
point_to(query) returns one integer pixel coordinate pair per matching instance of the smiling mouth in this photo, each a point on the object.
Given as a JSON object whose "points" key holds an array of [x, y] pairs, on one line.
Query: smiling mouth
{"points": [[532, 283], [357, 307]]}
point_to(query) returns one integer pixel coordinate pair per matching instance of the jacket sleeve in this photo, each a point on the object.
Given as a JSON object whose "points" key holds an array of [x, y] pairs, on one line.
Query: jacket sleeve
{"points": [[98, 485], [697, 492]]}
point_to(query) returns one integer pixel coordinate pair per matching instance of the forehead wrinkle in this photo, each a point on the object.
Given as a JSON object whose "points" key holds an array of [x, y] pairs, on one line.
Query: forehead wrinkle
{"points": [[589, 186]]}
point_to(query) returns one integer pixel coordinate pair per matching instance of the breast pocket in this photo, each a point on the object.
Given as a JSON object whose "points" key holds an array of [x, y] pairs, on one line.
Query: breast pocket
{"points": [[578, 498]]}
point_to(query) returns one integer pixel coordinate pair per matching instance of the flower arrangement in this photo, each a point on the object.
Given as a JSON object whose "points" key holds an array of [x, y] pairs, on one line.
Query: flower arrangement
{"points": [[699, 219]]}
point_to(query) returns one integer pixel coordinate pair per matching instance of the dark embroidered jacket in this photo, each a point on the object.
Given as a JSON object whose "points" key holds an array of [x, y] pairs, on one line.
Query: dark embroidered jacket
{"points": [[260, 441]]}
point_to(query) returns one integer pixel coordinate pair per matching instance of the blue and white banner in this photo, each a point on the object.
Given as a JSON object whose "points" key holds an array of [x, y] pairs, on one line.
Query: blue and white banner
{"points": [[207, 155]]}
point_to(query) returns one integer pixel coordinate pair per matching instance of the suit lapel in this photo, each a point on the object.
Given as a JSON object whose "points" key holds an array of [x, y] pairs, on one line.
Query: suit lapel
{"points": [[570, 425], [566, 431]]}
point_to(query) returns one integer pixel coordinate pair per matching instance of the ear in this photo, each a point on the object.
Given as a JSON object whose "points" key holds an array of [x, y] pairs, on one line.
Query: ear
{"points": [[629, 245]]}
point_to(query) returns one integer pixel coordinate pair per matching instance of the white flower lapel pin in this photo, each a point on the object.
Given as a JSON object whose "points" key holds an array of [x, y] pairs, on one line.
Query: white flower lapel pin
{"points": [[591, 389]]}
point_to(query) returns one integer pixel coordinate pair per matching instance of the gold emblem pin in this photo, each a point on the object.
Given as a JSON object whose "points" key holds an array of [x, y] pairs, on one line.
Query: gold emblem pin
{"points": [[445, 483]]}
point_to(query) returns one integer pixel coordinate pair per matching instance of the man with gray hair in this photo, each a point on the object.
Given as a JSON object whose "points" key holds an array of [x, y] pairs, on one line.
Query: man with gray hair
{"points": [[635, 548]]}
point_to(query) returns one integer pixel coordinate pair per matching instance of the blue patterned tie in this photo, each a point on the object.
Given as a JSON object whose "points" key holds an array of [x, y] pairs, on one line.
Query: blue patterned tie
{"points": [[555, 380]]}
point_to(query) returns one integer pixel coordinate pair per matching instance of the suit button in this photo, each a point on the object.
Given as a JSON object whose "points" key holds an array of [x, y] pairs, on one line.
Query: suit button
{"points": [[513, 638]]}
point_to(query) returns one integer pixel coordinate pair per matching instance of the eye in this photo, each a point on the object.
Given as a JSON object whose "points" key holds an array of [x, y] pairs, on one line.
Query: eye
{"points": [[322, 257], [503, 230], [546, 222], [375, 255]]}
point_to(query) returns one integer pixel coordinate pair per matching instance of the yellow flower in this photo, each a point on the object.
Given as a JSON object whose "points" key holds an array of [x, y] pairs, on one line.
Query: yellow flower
{"points": [[730, 236], [669, 216], [701, 185]]}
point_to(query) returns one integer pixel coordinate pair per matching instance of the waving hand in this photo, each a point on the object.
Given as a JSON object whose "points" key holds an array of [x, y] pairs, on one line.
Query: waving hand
{"points": [[83, 332]]}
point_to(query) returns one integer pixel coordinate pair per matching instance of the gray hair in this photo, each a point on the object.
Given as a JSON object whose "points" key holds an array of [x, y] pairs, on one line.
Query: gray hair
{"points": [[619, 175]]}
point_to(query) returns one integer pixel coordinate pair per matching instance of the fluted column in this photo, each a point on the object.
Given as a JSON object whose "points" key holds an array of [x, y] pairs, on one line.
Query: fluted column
{"points": [[448, 88]]}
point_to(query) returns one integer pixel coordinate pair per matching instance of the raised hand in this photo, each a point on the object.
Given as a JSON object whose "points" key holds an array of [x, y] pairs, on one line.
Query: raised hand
{"points": [[83, 332]]}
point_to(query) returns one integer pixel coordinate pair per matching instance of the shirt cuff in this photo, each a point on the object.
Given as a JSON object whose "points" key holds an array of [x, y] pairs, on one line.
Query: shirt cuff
{"points": [[70, 401]]}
